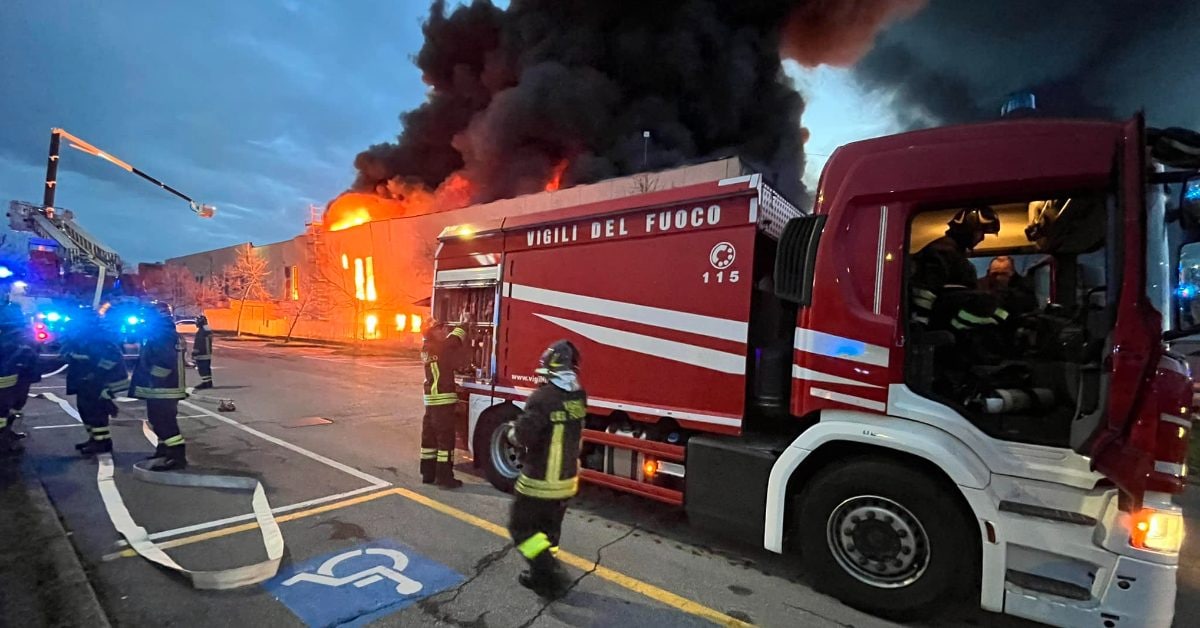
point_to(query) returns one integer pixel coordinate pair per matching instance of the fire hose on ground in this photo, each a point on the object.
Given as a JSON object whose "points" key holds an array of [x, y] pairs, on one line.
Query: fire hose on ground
{"points": [[139, 539]]}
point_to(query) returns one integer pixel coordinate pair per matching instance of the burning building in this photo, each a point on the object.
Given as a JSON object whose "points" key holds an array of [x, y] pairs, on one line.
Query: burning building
{"points": [[545, 104], [371, 280]]}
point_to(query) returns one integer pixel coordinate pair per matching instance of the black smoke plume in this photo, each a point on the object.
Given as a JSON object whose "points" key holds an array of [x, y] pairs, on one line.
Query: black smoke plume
{"points": [[956, 61], [517, 92]]}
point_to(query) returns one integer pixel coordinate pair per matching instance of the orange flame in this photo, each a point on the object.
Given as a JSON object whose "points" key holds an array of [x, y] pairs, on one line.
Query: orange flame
{"points": [[556, 176]]}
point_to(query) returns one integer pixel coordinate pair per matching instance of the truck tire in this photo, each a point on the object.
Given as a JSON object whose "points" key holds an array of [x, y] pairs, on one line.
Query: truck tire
{"points": [[499, 459], [885, 538]]}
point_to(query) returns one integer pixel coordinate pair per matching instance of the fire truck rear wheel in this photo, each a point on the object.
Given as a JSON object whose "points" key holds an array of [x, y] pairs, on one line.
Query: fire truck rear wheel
{"points": [[499, 459], [884, 537]]}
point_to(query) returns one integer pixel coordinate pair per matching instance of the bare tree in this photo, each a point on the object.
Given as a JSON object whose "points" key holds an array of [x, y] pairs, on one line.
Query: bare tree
{"points": [[644, 182], [177, 286], [211, 292], [249, 273]]}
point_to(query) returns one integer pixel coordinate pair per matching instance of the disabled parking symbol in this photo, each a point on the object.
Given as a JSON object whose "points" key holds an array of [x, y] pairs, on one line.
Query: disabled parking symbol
{"points": [[357, 586]]}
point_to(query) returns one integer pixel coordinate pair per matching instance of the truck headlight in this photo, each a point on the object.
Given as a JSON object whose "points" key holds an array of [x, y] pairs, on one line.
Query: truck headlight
{"points": [[1157, 531]]}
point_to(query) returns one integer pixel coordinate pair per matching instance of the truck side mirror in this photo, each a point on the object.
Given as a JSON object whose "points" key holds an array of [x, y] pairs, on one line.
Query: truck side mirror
{"points": [[796, 262]]}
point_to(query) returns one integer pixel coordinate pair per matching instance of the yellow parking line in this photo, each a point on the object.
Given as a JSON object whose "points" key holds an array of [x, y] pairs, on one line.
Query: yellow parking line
{"points": [[246, 527], [657, 594], [628, 582]]}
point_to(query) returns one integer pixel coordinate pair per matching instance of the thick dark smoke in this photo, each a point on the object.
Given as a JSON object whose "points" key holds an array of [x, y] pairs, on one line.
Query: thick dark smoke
{"points": [[956, 61], [517, 92]]}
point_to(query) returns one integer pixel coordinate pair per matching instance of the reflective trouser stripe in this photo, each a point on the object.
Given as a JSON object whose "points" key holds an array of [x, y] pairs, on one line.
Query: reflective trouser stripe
{"points": [[101, 433], [972, 319], [158, 371], [428, 454], [443, 455], [206, 378], [543, 489], [174, 441], [8, 381], [3, 422], [105, 364], [441, 399], [533, 546], [201, 357], [159, 393]]}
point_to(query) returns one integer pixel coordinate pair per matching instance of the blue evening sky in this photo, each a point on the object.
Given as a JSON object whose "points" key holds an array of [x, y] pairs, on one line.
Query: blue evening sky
{"points": [[257, 107]]}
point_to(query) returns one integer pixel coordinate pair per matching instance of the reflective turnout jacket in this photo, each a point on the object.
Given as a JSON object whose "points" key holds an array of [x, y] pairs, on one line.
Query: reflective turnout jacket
{"points": [[939, 267], [160, 369], [15, 358], [202, 345], [441, 357], [95, 368], [551, 430]]}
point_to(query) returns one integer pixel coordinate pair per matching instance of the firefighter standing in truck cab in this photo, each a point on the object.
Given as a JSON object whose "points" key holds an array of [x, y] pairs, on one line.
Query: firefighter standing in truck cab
{"points": [[442, 352], [158, 378], [96, 376], [944, 285], [202, 350], [550, 429]]}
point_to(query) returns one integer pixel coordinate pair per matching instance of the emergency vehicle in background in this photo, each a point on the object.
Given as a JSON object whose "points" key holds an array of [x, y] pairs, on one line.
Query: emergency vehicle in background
{"points": [[757, 366]]}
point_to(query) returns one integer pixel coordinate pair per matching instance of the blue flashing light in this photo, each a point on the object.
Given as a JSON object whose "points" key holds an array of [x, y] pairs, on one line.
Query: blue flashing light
{"points": [[1191, 193], [5, 272], [54, 317], [1187, 291], [132, 320]]}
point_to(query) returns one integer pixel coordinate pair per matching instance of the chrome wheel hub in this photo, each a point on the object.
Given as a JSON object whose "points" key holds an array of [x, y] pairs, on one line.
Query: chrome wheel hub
{"points": [[505, 457], [878, 541]]}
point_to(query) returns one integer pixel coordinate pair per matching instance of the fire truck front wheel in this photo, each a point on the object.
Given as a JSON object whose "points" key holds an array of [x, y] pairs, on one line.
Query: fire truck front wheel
{"points": [[500, 459], [884, 537]]}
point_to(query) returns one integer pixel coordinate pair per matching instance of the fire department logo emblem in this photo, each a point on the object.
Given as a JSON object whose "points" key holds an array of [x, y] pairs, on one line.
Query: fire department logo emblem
{"points": [[722, 255]]}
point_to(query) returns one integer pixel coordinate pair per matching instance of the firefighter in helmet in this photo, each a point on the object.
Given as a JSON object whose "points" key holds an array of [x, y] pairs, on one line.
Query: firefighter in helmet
{"points": [[202, 350], [944, 284], [14, 348], [442, 352], [96, 376], [158, 378], [550, 429]]}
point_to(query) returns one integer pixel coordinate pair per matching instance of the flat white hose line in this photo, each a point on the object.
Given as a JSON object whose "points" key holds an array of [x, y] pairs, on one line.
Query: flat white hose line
{"points": [[138, 539], [55, 371]]}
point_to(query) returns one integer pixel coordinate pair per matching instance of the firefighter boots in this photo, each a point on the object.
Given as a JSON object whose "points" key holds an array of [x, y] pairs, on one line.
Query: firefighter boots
{"points": [[173, 459], [93, 447], [546, 577], [428, 471], [444, 477]]}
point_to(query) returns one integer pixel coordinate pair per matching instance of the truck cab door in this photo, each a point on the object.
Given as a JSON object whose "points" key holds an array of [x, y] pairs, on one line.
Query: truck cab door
{"points": [[1123, 446]]}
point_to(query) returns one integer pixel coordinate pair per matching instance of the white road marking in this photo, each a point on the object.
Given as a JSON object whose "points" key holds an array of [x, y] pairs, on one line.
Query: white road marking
{"points": [[208, 525], [54, 427], [378, 482], [47, 387]]}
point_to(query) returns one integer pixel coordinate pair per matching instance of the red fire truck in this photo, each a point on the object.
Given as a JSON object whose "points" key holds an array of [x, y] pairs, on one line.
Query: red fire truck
{"points": [[758, 365]]}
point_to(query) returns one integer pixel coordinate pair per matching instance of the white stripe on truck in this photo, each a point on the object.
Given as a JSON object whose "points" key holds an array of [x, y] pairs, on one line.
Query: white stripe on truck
{"points": [[723, 328], [821, 343], [732, 363]]}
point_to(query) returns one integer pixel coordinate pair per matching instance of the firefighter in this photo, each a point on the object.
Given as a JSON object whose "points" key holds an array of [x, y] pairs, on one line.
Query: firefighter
{"points": [[96, 376], [550, 429], [158, 378], [944, 284], [13, 327], [442, 353], [25, 363], [202, 349]]}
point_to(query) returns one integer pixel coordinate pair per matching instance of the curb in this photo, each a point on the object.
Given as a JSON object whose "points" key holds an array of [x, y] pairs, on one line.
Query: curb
{"points": [[59, 592]]}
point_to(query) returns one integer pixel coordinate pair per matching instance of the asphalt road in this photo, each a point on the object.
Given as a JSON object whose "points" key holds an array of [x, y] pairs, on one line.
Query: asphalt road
{"points": [[349, 486]]}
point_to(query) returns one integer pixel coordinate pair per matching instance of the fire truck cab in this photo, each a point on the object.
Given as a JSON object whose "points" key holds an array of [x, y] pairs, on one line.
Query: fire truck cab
{"points": [[761, 366]]}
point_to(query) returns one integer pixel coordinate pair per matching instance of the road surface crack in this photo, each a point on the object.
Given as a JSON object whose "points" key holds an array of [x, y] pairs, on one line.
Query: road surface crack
{"points": [[434, 607], [575, 583], [818, 615]]}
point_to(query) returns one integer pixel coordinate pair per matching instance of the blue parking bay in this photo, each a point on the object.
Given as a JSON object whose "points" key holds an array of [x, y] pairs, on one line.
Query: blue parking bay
{"points": [[359, 584]]}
